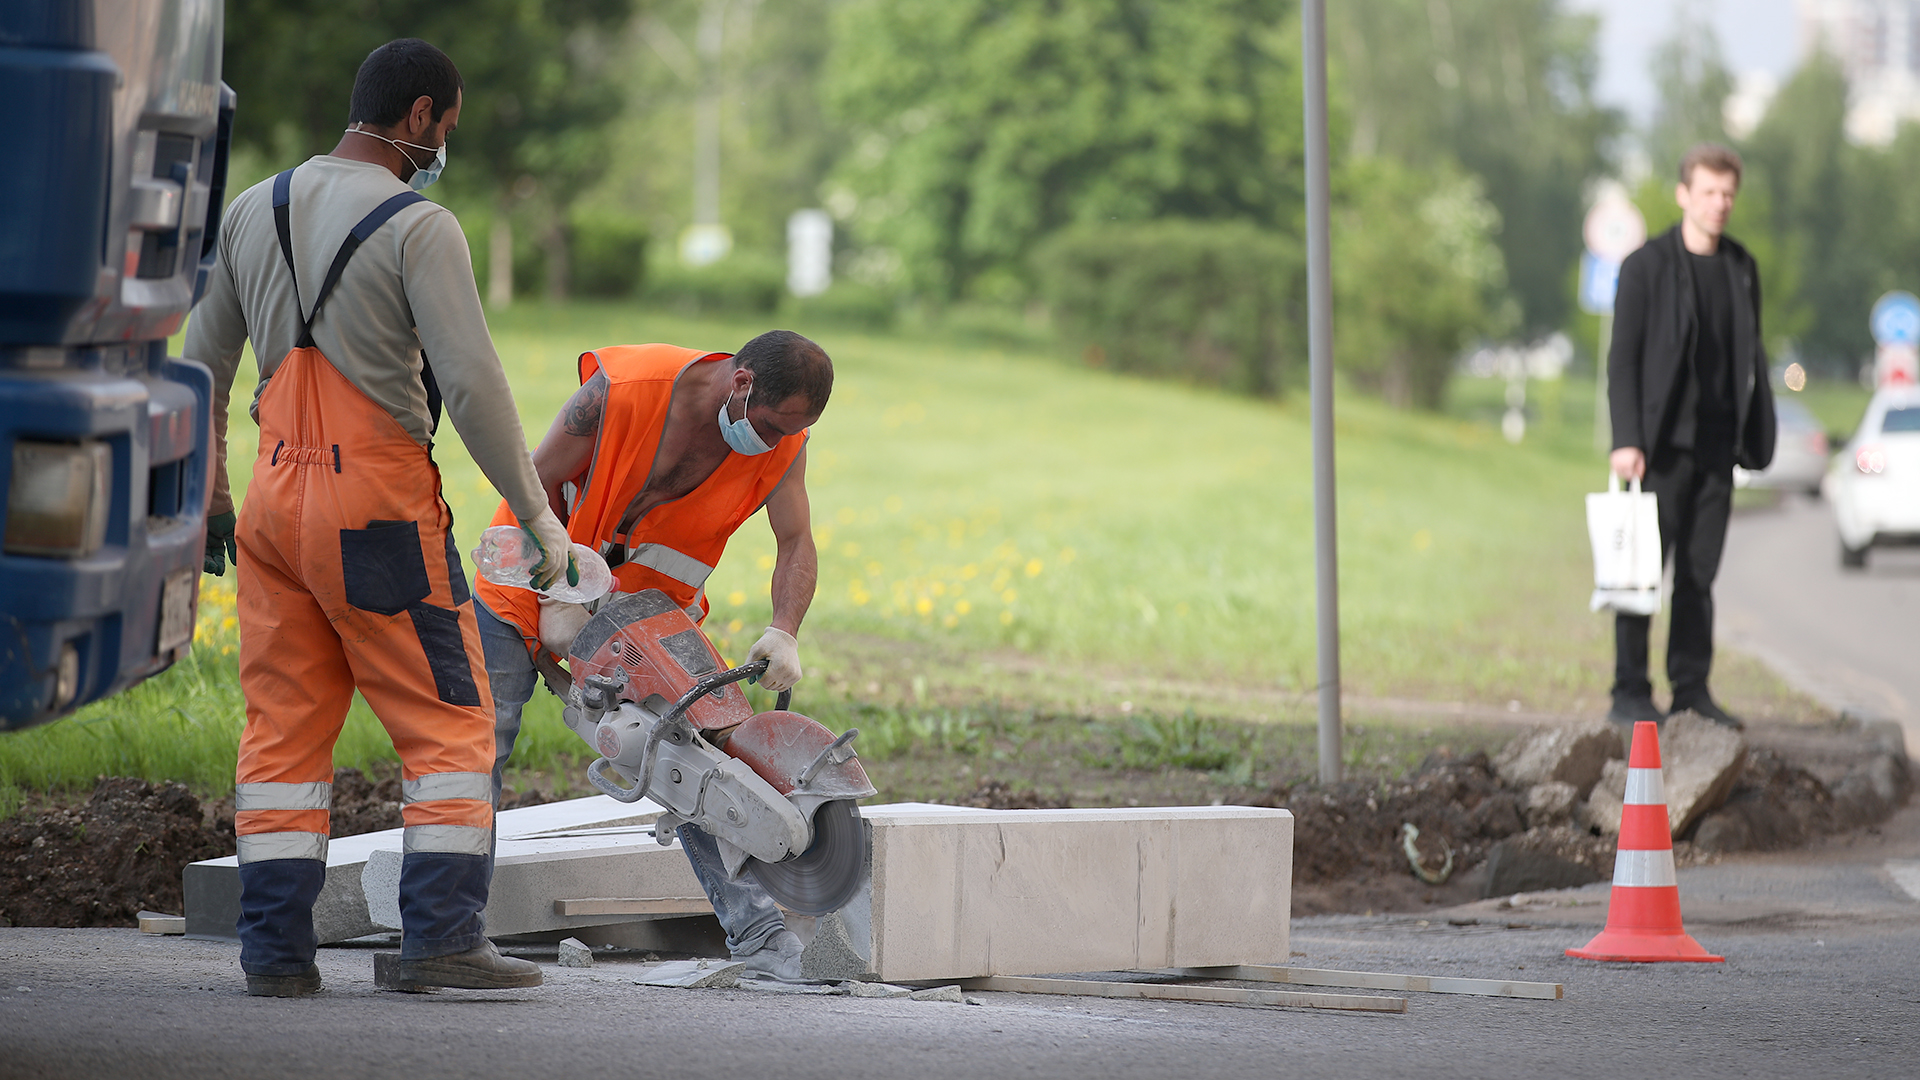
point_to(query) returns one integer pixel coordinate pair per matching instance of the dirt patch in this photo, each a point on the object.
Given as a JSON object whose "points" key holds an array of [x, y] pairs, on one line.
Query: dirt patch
{"points": [[102, 862]]}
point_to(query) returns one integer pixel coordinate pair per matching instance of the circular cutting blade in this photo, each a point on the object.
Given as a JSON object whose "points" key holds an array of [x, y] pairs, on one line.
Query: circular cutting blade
{"points": [[826, 876]]}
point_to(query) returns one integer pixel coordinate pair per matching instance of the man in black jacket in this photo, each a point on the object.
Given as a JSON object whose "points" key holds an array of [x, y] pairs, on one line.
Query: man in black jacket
{"points": [[1688, 392]]}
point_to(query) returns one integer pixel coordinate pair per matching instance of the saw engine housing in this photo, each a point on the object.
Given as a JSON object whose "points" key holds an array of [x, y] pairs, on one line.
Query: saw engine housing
{"points": [[651, 695]]}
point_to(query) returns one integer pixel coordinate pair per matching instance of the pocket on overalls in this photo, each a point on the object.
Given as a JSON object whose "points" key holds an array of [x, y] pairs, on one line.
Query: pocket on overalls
{"points": [[381, 567]]}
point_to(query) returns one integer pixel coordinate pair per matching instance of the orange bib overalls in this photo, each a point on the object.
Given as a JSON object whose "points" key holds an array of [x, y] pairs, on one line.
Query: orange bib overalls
{"points": [[348, 577]]}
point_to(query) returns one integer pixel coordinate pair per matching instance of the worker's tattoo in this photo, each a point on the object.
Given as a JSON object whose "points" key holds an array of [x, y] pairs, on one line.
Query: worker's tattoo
{"points": [[582, 416]]}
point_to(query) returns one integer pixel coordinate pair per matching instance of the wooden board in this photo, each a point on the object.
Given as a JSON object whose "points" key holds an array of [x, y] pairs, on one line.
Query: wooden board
{"points": [[652, 905], [1217, 995], [1374, 980]]}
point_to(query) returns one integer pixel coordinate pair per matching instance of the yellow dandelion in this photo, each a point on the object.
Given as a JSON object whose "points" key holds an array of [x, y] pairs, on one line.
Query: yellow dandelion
{"points": [[1009, 596], [850, 549], [1067, 555], [734, 626], [963, 607], [847, 515], [1422, 540], [950, 621], [1006, 618], [924, 606], [893, 504], [736, 598], [1034, 566], [873, 568], [969, 572], [765, 562], [939, 588]]}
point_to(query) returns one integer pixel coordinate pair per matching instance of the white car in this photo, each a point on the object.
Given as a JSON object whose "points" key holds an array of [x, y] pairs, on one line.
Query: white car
{"points": [[1874, 482]]}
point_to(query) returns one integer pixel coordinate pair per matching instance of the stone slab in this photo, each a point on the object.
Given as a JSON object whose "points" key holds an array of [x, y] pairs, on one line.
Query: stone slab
{"points": [[691, 974], [958, 893], [1573, 754], [1701, 760], [212, 887]]}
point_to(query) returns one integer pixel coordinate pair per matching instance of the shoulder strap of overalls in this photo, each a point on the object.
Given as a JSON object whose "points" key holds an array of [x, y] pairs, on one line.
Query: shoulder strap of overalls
{"points": [[282, 223]]}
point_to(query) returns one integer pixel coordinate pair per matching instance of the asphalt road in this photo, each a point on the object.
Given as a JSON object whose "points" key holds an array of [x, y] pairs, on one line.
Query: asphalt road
{"points": [[1849, 638], [1820, 981]]}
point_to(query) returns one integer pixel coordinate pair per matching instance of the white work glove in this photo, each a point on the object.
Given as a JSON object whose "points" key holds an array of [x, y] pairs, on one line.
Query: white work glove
{"points": [[560, 623], [556, 550], [783, 659]]}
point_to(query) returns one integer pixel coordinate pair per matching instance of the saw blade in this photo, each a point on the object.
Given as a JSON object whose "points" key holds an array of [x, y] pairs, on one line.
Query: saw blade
{"points": [[826, 876]]}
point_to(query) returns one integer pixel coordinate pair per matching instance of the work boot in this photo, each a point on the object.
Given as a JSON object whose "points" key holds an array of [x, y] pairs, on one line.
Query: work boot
{"points": [[479, 968], [1631, 709], [305, 984], [778, 959], [1709, 708]]}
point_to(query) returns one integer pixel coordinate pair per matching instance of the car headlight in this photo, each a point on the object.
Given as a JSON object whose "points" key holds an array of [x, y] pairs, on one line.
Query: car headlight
{"points": [[57, 499]]}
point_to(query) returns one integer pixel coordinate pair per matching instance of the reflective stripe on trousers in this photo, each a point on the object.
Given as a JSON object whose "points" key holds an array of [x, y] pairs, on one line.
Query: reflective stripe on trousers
{"points": [[442, 809]]}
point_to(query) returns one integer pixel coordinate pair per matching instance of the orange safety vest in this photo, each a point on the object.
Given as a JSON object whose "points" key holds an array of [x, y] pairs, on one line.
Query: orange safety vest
{"points": [[675, 545]]}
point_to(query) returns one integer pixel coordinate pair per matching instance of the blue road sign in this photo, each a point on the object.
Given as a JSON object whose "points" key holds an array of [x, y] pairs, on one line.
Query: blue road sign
{"points": [[1896, 319], [1599, 281]]}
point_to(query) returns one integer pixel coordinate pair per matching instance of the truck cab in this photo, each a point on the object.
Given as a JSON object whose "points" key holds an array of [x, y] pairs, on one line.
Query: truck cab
{"points": [[109, 211]]}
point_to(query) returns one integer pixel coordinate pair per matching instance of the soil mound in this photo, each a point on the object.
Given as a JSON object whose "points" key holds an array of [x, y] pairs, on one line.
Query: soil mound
{"points": [[101, 863]]}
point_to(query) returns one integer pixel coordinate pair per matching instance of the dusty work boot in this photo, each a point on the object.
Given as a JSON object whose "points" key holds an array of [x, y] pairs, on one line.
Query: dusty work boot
{"points": [[305, 984], [778, 959], [479, 968]]}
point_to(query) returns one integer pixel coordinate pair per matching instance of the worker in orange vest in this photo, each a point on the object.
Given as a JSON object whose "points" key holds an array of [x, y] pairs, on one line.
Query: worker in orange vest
{"points": [[341, 273], [659, 456]]}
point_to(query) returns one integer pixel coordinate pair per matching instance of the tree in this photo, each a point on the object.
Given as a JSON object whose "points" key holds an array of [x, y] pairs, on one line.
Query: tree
{"points": [[1418, 276], [1694, 85], [537, 93], [1504, 87], [978, 127]]}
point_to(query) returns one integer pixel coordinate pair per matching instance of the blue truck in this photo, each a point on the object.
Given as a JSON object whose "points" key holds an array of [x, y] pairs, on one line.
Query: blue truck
{"points": [[118, 128]]}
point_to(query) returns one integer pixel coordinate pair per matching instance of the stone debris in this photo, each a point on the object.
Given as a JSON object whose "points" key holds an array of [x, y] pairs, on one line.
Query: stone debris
{"points": [[940, 993], [575, 954], [877, 990], [1550, 857], [1701, 761], [1601, 811], [154, 922], [692, 974], [775, 986], [1573, 754], [1551, 803]]}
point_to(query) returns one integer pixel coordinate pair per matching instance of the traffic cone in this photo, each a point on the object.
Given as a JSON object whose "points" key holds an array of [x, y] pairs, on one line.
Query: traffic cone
{"points": [[1643, 917]]}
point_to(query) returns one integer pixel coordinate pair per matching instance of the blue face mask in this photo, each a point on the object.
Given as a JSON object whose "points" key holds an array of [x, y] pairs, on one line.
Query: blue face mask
{"points": [[740, 436], [422, 178]]}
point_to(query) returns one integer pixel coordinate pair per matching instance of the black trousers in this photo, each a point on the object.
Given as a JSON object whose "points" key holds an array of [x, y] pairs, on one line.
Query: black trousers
{"points": [[1695, 501]]}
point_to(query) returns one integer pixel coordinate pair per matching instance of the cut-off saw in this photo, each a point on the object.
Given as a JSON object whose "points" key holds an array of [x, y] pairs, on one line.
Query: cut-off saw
{"points": [[778, 792]]}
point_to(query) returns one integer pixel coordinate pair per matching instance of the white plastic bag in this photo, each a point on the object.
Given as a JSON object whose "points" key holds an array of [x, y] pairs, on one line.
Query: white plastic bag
{"points": [[1625, 529]]}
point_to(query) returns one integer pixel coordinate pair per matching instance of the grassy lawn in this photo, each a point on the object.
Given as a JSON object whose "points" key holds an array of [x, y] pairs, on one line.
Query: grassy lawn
{"points": [[1006, 531]]}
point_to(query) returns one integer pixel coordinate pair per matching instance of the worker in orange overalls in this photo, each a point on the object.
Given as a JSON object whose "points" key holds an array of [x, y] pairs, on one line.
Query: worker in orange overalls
{"points": [[659, 456], [342, 274]]}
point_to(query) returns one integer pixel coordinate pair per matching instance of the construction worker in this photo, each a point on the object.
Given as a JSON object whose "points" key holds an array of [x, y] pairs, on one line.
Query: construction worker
{"points": [[640, 469], [348, 281]]}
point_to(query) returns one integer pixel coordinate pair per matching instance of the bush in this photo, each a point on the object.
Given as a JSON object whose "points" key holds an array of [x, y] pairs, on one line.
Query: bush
{"points": [[846, 303], [609, 255], [741, 284], [1210, 302]]}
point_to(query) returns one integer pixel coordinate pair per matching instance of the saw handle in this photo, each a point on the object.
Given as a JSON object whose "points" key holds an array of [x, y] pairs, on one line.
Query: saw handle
{"points": [[600, 774]]}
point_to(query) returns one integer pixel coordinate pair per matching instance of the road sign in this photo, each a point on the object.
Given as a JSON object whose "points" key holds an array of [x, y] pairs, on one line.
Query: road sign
{"points": [[1614, 228], [1896, 319], [1599, 281]]}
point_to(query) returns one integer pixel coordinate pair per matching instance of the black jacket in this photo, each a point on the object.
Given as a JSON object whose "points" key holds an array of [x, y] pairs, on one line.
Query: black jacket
{"points": [[1655, 327]]}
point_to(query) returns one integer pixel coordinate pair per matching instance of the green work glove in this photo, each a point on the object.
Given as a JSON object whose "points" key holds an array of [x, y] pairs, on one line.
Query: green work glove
{"points": [[221, 549]]}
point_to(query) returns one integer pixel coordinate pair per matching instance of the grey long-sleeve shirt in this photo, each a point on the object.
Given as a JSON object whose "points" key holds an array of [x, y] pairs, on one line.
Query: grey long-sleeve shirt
{"points": [[409, 287]]}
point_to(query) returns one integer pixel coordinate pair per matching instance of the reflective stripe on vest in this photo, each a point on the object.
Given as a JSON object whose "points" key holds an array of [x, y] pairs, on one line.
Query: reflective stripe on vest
{"points": [[1645, 869], [449, 785], [448, 839], [682, 568], [693, 610], [276, 796], [260, 847]]}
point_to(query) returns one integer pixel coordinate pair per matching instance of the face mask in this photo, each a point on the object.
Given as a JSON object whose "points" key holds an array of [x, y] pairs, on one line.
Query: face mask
{"points": [[740, 436], [423, 178]]}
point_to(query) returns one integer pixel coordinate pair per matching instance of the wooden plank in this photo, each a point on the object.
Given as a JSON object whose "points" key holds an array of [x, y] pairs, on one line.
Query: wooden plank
{"points": [[1376, 980], [1217, 995], [651, 905]]}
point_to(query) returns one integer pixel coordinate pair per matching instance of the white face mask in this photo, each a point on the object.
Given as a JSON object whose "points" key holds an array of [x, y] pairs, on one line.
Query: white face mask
{"points": [[423, 177], [740, 435]]}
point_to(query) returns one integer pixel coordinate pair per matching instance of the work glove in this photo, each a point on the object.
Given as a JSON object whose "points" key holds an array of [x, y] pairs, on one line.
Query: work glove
{"points": [[560, 623], [782, 654], [556, 551], [221, 548]]}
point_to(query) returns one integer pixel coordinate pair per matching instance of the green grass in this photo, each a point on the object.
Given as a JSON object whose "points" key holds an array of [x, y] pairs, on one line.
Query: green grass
{"points": [[1008, 527]]}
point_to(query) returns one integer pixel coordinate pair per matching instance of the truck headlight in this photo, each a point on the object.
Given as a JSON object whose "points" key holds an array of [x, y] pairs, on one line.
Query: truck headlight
{"points": [[58, 497]]}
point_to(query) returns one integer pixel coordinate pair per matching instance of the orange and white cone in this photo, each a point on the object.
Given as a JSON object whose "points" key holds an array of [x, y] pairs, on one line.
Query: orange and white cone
{"points": [[1643, 917]]}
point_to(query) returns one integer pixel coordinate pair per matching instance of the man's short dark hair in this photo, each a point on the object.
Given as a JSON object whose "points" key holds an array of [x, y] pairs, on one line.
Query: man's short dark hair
{"points": [[396, 75], [1710, 156], [784, 364]]}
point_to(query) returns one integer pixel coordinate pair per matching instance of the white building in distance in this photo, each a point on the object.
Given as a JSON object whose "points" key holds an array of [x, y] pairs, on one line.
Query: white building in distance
{"points": [[1878, 45]]}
